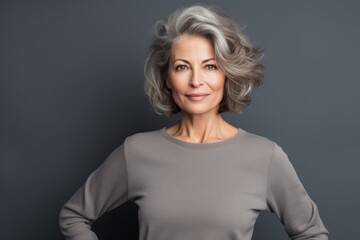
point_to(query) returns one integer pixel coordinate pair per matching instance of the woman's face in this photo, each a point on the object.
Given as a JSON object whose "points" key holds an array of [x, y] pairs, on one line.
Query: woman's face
{"points": [[196, 81]]}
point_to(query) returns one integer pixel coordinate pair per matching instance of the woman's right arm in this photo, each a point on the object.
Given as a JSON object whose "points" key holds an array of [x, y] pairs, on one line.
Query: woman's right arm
{"points": [[105, 189]]}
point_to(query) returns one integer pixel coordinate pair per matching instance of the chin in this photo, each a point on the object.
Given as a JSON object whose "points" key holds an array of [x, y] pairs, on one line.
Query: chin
{"points": [[200, 110]]}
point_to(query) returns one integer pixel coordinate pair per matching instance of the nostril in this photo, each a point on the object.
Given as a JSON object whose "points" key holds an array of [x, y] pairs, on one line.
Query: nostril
{"points": [[196, 81], [195, 85]]}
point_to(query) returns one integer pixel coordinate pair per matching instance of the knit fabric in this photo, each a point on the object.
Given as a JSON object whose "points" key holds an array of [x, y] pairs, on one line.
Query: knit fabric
{"points": [[190, 191]]}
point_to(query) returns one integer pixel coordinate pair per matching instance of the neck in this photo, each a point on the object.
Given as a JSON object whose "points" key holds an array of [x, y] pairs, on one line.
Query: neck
{"points": [[202, 128]]}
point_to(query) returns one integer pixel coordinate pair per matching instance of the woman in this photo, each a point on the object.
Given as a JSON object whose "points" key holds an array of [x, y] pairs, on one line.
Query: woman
{"points": [[201, 178]]}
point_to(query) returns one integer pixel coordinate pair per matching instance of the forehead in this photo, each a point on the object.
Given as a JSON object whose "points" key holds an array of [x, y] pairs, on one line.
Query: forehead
{"points": [[191, 46]]}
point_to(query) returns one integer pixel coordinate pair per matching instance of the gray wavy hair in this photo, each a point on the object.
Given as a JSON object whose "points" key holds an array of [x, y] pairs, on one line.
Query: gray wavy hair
{"points": [[234, 54]]}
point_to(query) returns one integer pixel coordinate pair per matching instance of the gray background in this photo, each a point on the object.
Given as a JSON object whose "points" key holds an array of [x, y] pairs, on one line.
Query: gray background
{"points": [[71, 90]]}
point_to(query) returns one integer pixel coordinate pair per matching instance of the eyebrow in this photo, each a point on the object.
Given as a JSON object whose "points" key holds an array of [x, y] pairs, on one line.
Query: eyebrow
{"points": [[184, 60]]}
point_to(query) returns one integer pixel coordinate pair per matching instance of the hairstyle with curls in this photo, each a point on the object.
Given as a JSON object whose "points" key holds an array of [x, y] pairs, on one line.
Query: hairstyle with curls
{"points": [[234, 54]]}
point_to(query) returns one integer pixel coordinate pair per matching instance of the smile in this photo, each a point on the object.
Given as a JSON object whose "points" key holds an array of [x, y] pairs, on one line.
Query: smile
{"points": [[197, 97]]}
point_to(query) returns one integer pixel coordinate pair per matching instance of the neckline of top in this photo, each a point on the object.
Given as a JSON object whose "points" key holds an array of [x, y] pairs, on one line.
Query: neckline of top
{"points": [[201, 145]]}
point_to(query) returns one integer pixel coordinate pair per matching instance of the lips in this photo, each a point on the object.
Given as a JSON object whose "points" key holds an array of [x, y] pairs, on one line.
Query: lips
{"points": [[196, 97]]}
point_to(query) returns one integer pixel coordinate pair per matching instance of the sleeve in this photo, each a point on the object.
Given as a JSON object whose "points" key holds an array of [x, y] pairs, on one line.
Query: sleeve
{"points": [[105, 189], [288, 199]]}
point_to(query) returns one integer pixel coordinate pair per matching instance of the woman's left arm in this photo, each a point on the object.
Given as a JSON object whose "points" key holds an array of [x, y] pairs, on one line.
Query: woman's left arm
{"points": [[288, 199]]}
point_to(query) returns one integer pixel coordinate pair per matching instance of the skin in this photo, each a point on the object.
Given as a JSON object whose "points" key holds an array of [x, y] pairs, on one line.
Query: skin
{"points": [[197, 85]]}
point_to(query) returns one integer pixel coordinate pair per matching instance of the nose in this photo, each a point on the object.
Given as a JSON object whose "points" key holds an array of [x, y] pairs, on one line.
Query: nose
{"points": [[196, 78]]}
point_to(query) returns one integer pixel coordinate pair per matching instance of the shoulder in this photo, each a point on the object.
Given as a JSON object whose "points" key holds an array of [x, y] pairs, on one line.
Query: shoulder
{"points": [[266, 147], [143, 140], [142, 137], [257, 142], [252, 137]]}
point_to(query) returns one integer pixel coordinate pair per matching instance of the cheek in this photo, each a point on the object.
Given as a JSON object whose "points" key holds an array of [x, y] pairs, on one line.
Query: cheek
{"points": [[217, 82], [220, 84], [177, 84]]}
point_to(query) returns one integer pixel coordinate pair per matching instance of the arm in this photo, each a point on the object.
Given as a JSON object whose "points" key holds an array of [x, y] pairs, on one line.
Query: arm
{"points": [[288, 199], [105, 189]]}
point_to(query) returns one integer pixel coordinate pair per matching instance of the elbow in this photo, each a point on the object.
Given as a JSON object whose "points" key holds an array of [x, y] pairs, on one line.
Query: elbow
{"points": [[74, 226], [64, 220]]}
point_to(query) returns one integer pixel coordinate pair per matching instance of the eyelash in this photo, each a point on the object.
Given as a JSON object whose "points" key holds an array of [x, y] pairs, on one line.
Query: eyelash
{"points": [[181, 67], [212, 67], [207, 67]]}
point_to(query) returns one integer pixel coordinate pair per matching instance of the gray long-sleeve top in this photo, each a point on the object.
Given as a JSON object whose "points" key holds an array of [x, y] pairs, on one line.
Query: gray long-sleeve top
{"points": [[188, 191]]}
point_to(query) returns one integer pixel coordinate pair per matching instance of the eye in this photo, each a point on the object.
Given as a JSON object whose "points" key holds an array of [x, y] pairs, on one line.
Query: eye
{"points": [[211, 67], [181, 67]]}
